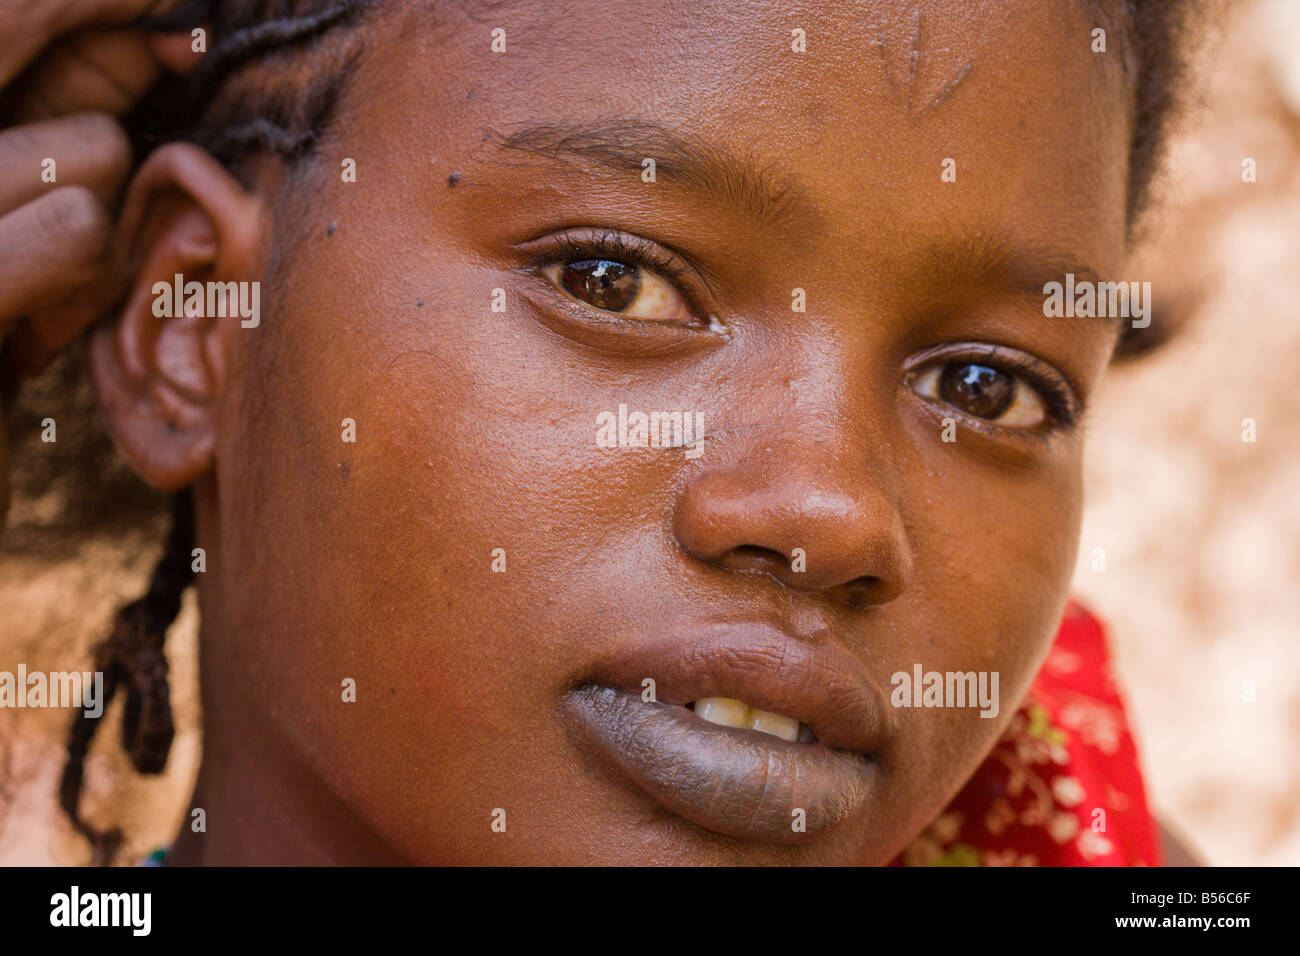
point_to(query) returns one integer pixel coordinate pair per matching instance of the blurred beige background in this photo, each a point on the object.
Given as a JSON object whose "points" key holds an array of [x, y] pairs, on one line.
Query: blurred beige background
{"points": [[1200, 531]]}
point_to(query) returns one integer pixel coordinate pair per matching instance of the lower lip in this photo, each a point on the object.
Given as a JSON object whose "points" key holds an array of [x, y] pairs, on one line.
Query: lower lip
{"points": [[742, 783]]}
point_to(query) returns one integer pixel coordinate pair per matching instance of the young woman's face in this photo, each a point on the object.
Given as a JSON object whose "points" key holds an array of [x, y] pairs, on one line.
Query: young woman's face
{"points": [[887, 474]]}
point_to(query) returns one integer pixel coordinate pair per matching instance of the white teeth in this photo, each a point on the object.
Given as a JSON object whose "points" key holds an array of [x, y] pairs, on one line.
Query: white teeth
{"points": [[771, 723], [723, 710], [730, 712]]}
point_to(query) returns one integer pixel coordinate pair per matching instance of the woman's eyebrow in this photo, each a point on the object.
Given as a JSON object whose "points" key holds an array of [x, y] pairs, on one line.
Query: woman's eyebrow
{"points": [[997, 257], [762, 192], [994, 258]]}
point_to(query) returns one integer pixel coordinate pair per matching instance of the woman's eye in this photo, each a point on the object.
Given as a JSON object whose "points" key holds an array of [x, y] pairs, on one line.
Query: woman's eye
{"points": [[628, 290], [983, 392]]}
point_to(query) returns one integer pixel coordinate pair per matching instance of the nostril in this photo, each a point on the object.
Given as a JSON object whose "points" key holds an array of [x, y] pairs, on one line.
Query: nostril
{"points": [[861, 592], [748, 557]]}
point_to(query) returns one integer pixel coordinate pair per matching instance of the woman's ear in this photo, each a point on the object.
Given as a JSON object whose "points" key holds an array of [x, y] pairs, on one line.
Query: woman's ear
{"points": [[193, 239]]}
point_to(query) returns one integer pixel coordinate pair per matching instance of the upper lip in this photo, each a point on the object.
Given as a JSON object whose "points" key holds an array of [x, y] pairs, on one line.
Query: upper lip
{"points": [[818, 684]]}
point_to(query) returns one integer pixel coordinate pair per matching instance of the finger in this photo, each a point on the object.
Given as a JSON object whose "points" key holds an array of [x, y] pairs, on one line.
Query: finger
{"points": [[50, 248], [175, 51], [46, 332], [86, 149], [88, 72], [29, 26], [37, 339]]}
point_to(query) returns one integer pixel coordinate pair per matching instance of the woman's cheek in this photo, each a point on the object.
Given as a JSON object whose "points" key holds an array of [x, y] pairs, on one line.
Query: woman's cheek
{"points": [[995, 553]]}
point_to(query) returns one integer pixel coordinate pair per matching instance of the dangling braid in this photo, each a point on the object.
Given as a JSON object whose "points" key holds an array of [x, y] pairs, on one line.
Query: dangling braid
{"points": [[132, 656], [234, 110]]}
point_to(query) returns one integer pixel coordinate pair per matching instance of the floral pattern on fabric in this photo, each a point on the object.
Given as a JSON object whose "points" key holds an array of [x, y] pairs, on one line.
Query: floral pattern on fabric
{"points": [[1062, 787]]}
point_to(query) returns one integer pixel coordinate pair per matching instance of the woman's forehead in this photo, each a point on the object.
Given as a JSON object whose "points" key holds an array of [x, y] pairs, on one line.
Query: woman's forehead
{"points": [[905, 59], [811, 120]]}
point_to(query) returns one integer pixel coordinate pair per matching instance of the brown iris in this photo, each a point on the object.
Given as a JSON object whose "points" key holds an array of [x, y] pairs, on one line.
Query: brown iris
{"points": [[977, 389], [603, 283]]}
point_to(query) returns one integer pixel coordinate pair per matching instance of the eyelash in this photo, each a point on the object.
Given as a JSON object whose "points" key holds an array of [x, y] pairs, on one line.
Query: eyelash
{"points": [[621, 247], [1059, 393]]}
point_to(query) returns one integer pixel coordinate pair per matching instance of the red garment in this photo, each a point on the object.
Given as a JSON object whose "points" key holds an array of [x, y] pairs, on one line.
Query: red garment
{"points": [[1062, 786]]}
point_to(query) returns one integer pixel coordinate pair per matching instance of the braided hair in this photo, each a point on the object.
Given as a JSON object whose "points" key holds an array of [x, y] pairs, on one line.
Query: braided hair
{"points": [[270, 84], [241, 114], [132, 657]]}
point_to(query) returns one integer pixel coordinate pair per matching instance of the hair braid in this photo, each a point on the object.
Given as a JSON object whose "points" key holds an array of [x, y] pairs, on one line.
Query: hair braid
{"points": [[271, 36], [285, 119], [233, 111], [132, 656]]}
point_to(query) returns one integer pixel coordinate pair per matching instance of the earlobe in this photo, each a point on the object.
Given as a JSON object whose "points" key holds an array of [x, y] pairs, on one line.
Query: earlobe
{"points": [[189, 230]]}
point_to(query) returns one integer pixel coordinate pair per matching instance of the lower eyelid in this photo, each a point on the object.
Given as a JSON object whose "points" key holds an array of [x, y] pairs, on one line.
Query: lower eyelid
{"points": [[1051, 420], [1055, 389], [691, 321], [606, 332], [668, 263]]}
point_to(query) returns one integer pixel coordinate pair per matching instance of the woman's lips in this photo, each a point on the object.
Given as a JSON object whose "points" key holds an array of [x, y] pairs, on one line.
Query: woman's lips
{"points": [[739, 782], [742, 782]]}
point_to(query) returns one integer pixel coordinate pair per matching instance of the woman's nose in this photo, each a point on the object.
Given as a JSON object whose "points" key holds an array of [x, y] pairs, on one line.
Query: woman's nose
{"points": [[816, 518]]}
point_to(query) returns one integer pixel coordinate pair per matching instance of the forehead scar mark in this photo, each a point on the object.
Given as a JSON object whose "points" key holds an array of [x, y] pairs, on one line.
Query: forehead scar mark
{"points": [[916, 71], [882, 47], [914, 60], [948, 90]]}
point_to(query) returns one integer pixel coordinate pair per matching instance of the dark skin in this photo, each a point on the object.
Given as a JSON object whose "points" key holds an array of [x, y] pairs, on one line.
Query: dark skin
{"points": [[372, 561]]}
